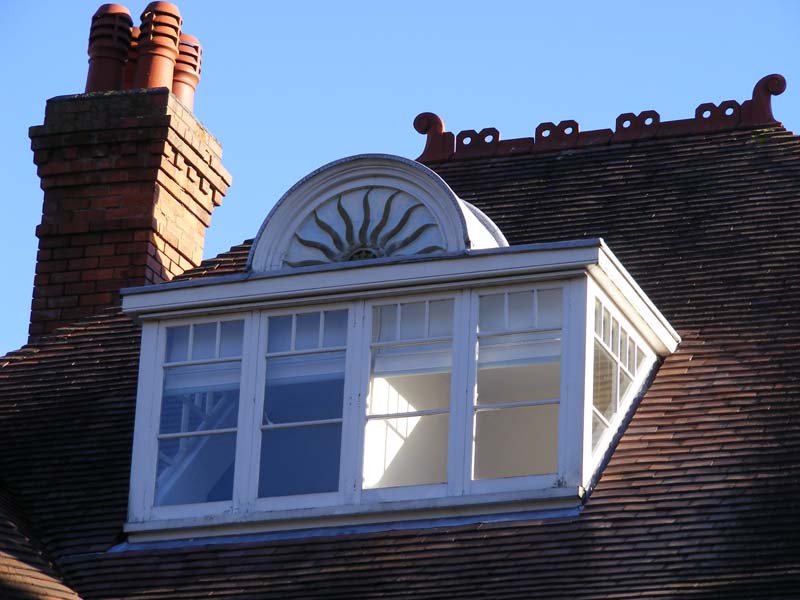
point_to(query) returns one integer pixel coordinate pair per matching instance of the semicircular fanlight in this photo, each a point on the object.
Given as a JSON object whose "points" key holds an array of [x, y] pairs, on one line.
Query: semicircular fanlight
{"points": [[364, 224]]}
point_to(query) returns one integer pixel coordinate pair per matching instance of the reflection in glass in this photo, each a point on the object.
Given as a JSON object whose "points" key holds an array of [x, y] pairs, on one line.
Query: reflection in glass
{"points": [[550, 308], [604, 388], [304, 388], [300, 460], [204, 341], [177, 344], [385, 325], [200, 398], [306, 336], [231, 333], [335, 333], [279, 334], [520, 310], [440, 317], [598, 429], [492, 313], [195, 469], [412, 321]]}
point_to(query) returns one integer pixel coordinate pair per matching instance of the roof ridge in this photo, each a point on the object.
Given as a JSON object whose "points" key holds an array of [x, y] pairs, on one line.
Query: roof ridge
{"points": [[442, 145]]}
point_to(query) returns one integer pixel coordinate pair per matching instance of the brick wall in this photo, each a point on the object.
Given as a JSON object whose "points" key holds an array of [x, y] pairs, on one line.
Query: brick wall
{"points": [[130, 180]]}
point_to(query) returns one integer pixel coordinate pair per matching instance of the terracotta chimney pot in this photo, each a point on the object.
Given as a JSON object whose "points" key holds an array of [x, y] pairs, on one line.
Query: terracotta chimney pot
{"points": [[133, 60], [109, 40], [187, 70], [158, 45]]}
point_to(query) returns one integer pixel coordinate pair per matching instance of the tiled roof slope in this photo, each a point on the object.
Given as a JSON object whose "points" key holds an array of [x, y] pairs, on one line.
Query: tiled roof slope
{"points": [[701, 498], [26, 573]]}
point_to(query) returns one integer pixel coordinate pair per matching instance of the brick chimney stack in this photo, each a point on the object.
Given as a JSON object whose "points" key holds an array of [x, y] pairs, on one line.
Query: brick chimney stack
{"points": [[130, 177]]}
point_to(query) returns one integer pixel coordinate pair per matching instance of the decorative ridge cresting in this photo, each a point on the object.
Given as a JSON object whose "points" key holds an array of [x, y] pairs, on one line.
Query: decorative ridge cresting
{"points": [[442, 145]]}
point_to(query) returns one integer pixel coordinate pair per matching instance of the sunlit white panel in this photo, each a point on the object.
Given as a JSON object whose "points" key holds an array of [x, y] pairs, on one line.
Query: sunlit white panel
{"points": [[513, 442], [409, 393], [519, 383], [405, 451]]}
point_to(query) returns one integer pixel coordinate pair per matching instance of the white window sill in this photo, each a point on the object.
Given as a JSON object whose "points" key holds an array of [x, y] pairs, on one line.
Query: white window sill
{"points": [[229, 523]]}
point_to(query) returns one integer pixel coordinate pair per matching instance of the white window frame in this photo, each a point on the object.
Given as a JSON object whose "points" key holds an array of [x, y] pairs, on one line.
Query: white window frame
{"points": [[566, 430], [583, 270], [409, 492], [637, 383], [321, 499]]}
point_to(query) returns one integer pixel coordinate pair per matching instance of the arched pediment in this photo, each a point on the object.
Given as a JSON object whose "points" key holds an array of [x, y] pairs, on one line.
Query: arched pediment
{"points": [[369, 207]]}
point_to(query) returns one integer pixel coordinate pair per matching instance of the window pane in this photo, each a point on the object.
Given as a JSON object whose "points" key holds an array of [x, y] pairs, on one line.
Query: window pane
{"points": [[406, 451], [623, 347], [307, 335], [614, 337], [279, 334], [300, 460], [409, 393], [639, 358], [204, 341], [230, 343], [512, 442], [304, 388], [598, 429], [604, 388], [177, 344], [606, 327], [492, 313], [200, 398], [440, 315], [520, 310], [624, 384], [550, 308], [385, 323], [598, 317], [631, 357], [412, 321], [519, 383], [195, 469], [335, 328]]}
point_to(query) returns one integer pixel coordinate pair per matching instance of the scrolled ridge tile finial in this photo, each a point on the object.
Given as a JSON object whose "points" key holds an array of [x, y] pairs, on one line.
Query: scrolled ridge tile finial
{"points": [[758, 110], [440, 144]]}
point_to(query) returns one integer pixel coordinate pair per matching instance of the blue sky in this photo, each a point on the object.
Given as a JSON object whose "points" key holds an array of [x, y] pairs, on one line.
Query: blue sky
{"points": [[288, 87]]}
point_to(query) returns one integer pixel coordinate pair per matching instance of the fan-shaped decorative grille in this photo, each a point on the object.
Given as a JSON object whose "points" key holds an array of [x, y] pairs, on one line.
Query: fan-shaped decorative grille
{"points": [[365, 223]]}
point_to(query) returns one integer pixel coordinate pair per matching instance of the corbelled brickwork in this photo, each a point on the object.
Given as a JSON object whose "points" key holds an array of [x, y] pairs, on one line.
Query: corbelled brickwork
{"points": [[130, 180]]}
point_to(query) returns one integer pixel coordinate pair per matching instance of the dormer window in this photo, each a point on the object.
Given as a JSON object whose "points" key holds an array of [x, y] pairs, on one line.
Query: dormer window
{"points": [[354, 387]]}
